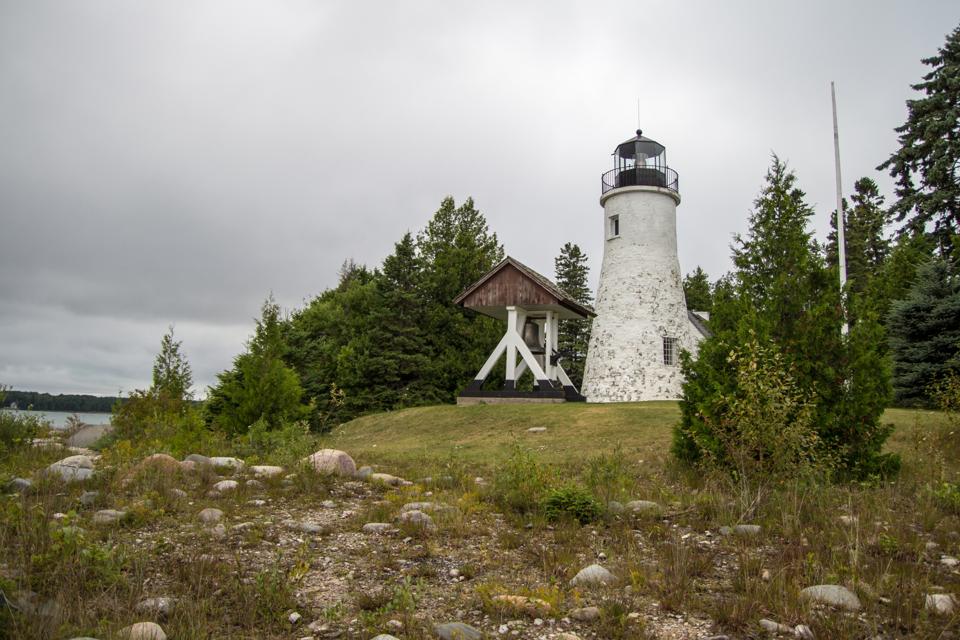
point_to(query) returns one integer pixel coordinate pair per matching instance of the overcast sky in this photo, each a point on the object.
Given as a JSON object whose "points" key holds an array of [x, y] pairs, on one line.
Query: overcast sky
{"points": [[172, 162]]}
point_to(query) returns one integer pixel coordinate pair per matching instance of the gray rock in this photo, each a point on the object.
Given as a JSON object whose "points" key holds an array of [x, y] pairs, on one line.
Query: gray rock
{"points": [[386, 479], [747, 530], [19, 485], [72, 468], [418, 519], [217, 531], [775, 627], [226, 462], [377, 527], [210, 515], [255, 485], [615, 507], [198, 459], [643, 506], [332, 461], [456, 631], [949, 561], [226, 485], [178, 493], [941, 604], [328, 504], [364, 472], [803, 632], [266, 471], [385, 636], [593, 574], [725, 531], [585, 614], [108, 516], [161, 606], [309, 527], [833, 595], [536, 429], [143, 631], [89, 498]]}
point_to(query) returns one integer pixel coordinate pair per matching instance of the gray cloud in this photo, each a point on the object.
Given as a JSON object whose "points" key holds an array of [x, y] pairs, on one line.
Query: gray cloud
{"points": [[172, 162]]}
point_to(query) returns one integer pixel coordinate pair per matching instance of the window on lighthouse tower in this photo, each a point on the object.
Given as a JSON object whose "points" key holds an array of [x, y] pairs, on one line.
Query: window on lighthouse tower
{"points": [[614, 226], [671, 350]]}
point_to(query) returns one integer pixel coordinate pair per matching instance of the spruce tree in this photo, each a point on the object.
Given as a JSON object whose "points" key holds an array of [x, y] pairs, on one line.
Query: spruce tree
{"points": [[867, 246], [925, 333], [571, 273], [781, 292], [927, 164], [172, 376], [696, 290]]}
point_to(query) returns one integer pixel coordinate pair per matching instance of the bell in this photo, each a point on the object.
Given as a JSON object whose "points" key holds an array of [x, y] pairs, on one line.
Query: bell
{"points": [[531, 336]]}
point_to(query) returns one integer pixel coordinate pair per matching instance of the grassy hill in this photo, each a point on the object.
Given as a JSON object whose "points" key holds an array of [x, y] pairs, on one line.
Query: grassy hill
{"points": [[484, 434]]}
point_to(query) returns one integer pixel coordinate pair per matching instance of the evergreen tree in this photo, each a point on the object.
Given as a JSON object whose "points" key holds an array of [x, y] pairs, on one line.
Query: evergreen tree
{"points": [[172, 376], [573, 336], [925, 333], [781, 292], [696, 290], [867, 248], [260, 386], [927, 164]]}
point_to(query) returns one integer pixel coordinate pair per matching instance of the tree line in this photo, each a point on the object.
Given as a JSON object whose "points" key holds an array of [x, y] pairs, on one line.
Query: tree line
{"points": [[68, 402]]}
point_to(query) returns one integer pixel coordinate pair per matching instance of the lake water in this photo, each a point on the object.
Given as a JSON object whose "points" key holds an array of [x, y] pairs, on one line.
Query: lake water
{"points": [[58, 419]]}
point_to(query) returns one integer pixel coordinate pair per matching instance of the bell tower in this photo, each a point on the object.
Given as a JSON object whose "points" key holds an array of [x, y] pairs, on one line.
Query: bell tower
{"points": [[642, 321]]}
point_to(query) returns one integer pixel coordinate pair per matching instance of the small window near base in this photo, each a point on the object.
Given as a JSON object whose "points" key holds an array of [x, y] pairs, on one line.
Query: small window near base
{"points": [[671, 351], [614, 226]]}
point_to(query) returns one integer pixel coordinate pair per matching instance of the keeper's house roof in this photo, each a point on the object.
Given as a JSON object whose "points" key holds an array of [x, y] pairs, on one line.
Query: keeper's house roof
{"points": [[512, 283]]}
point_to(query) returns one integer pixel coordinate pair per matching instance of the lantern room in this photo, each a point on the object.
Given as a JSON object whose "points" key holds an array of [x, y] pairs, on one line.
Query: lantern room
{"points": [[640, 162]]}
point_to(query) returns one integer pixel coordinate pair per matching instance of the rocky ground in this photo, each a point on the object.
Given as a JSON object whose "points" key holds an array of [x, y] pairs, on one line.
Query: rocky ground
{"points": [[218, 548]]}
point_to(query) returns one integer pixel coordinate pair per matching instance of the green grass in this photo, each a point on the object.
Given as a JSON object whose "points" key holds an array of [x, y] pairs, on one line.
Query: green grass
{"points": [[485, 434]]}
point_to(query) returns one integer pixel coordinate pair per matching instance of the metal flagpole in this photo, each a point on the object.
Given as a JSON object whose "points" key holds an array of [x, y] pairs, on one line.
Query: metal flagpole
{"points": [[841, 240]]}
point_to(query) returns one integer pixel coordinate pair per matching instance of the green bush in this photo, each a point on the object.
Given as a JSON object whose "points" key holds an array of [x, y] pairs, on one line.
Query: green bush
{"points": [[18, 429], [947, 496], [521, 482], [572, 502]]}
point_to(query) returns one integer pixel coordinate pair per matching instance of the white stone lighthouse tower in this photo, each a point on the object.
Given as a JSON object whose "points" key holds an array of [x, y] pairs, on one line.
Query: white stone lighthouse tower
{"points": [[642, 321]]}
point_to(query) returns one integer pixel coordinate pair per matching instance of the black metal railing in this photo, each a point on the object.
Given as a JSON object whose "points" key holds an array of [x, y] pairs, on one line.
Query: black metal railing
{"points": [[663, 177]]}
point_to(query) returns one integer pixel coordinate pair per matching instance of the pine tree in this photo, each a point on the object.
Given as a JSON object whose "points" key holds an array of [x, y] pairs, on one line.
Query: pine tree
{"points": [[260, 386], [867, 247], [696, 290], [172, 376], [781, 292], [573, 336], [927, 164], [925, 333]]}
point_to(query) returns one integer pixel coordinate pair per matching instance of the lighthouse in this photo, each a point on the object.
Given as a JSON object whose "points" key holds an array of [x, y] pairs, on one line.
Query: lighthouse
{"points": [[642, 321]]}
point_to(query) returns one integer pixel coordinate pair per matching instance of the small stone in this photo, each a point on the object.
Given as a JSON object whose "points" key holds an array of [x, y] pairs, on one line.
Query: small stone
{"points": [[931, 546], [161, 606], [218, 531], [418, 519], [198, 459], [941, 604], [294, 617], [457, 631], [395, 624], [765, 575], [266, 471], [568, 636], [643, 506], [536, 430], [143, 631], [19, 485], [72, 468], [386, 478], [253, 485], [601, 556], [377, 527], [226, 485], [775, 627], [88, 498], [210, 515], [949, 561], [108, 516], [178, 493], [503, 629], [385, 636], [310, 527], [848, 521], [226, 462], [747, 530], [328, 504], [803, 632], [833, 595], [256, 503], [593, 574], [364, 472], [585, 614]]}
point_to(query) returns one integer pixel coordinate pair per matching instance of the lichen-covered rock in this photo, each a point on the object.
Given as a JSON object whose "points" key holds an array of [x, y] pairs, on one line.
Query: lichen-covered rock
{"points": [[585, 614], [266, 471], [418, 519], [226, 485], [456, 631], [643, 506], [833, 595], [332, 461], [72, 468], [591, 575], [377, 527], [108, 516], [941, 604], [210, 515], [143, 631], [226, 462]]}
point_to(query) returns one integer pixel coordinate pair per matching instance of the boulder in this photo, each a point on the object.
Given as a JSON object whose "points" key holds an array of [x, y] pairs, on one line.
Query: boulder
{"points": [[72, 468], [456, 631], [266, 471], [157, 462], [226, 485], [615, 507], [377, 527], [585, 614], [210, 515], [19, 485], [161, 607], [533, 607], [332, 461], [747, 530], [418, 519], [833, 595], [772, 626], [643, 506], [89, 498], [198, 460], [143, 631], [591, 575]]}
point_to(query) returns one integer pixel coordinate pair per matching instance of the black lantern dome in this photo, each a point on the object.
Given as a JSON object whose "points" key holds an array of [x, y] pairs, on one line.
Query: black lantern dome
{"points": [[640, 162]]}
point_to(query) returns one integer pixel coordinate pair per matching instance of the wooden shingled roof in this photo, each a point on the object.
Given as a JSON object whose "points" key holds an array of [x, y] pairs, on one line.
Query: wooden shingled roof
{"points": [[512, 283]]}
